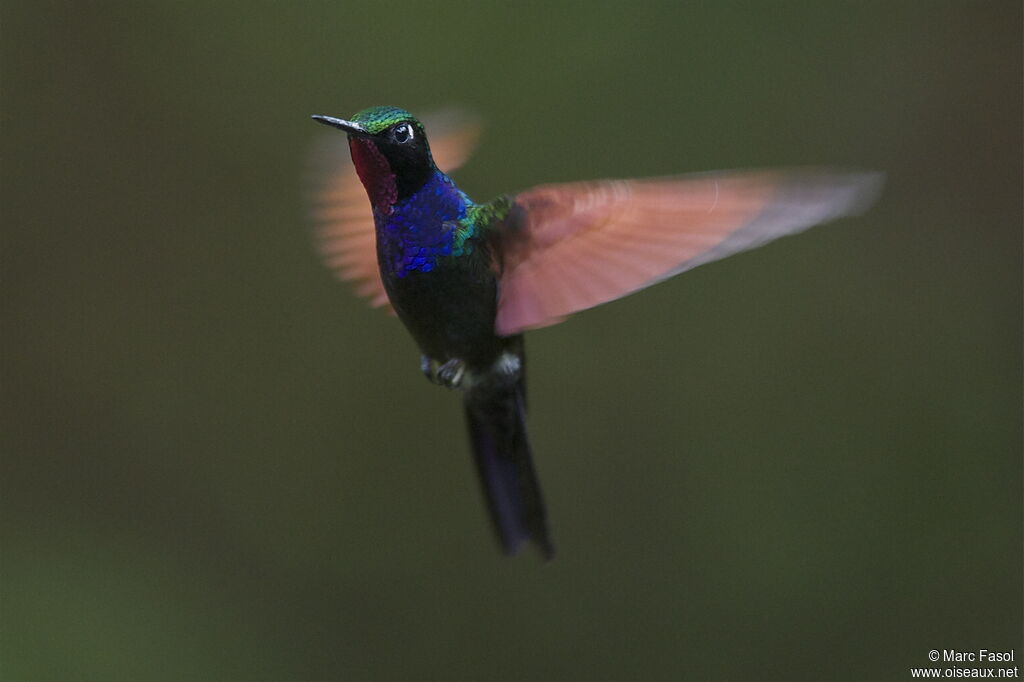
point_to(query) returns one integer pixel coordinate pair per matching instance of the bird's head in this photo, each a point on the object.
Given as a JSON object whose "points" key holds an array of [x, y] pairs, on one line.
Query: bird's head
{"points": [[390, 152]]}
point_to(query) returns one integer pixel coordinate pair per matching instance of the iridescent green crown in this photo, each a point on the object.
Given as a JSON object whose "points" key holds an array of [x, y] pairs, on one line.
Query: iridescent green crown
{"points": [[376, 119]]}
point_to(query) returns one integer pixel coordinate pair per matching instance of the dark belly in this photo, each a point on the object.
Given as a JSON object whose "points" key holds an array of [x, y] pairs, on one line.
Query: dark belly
{"points": [[450, 312]]}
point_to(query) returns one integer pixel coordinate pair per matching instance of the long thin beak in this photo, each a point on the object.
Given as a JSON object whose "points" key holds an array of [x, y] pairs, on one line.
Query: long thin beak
{"points": [[348, 126]]}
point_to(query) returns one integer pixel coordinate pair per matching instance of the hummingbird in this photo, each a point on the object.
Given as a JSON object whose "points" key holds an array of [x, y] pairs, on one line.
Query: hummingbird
{"points": [[467, 279]]}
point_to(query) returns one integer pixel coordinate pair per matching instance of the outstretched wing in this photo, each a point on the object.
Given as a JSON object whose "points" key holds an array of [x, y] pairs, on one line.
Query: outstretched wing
{"points": [[568, 247], [345, 234]]}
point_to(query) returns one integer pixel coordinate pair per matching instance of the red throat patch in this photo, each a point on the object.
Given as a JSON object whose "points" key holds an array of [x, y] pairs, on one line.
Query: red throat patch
{"points": [[374, 172]]}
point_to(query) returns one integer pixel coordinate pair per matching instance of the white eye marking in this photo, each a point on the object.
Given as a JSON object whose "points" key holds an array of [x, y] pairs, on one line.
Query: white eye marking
{"points": [[402, 133]]}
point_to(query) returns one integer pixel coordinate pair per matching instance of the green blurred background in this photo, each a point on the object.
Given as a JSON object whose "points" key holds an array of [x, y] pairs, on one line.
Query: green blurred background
{"points": [[800, 463]]}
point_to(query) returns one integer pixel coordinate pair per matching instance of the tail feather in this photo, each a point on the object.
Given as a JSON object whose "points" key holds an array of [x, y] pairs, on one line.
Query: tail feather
{"points": [[501, 447]]}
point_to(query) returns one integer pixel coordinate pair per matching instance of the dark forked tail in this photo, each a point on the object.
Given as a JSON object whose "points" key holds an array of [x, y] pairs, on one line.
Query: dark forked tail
{"points": [[496, 416]]}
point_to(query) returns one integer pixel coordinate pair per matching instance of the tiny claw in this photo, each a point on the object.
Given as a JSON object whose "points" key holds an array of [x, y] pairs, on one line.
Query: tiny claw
{"points": [[451, 372]]}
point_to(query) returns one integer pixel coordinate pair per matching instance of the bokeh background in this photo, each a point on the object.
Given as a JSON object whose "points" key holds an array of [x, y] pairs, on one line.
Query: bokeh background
{"points": [[803, 462]]}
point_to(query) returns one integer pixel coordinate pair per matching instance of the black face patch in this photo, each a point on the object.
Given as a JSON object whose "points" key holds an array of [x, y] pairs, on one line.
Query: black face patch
{"points": [[408, 154]]}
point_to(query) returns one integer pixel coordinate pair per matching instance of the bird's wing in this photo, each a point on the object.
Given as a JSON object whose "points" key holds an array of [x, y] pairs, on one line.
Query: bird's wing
{"points": [[345, 234], [568, 247]]}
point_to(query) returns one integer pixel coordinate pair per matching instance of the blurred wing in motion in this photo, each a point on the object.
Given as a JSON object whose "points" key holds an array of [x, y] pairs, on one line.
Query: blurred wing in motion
{"points": [[568, 247], [345, 234]]}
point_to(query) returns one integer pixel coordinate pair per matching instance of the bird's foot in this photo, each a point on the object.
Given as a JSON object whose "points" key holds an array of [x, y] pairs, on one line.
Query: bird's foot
{"points": [[448, 374], [451, 372]]}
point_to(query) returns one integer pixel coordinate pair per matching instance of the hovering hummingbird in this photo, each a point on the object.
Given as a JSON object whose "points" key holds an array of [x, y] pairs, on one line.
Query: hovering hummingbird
{"points": [[467, 279]]}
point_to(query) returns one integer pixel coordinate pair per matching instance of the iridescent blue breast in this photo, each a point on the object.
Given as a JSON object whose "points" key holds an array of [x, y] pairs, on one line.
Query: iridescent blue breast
{"points": [[424, 228]]}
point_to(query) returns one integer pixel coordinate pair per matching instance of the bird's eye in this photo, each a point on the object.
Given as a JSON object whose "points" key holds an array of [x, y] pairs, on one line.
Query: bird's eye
{"points": [[402, 133]]}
